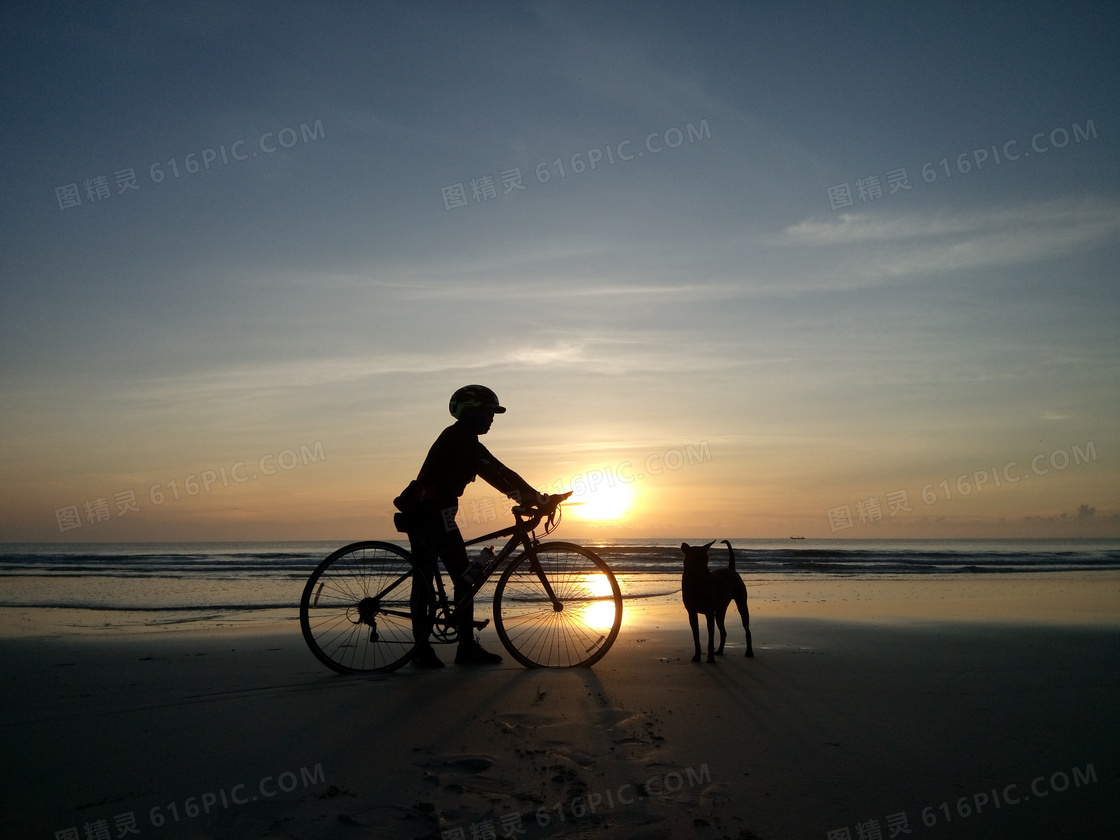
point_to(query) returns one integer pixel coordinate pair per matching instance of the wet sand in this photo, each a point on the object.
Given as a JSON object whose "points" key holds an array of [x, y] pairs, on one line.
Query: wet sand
{"points": [[865, 701]]}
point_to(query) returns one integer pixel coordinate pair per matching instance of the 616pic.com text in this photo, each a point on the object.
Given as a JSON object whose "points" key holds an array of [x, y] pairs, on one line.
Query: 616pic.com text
{"points": [[97, 510]]}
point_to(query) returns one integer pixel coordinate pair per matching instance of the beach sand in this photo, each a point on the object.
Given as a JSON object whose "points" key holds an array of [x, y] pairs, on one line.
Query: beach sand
{"points": [[865, 700]]}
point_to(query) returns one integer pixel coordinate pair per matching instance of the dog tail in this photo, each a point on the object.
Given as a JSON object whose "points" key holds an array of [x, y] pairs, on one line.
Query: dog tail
{"points": [[731, 555]]}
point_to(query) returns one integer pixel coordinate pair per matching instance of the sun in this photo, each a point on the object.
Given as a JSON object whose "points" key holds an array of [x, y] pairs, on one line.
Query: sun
{"points": [[603, 503]]}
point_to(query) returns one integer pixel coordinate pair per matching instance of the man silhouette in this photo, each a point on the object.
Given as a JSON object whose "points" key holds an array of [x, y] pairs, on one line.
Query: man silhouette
{"points": [[430, 503]]}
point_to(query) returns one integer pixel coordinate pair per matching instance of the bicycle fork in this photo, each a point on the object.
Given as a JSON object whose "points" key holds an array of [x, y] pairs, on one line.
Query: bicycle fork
{"points": [[557, 604], [535, 567]]}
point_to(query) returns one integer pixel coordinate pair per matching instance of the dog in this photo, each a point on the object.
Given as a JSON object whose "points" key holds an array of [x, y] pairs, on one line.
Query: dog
{"points": [[709, 592]]}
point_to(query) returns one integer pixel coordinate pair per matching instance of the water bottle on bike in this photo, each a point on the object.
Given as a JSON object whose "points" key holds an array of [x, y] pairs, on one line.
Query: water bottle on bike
{"points": [[478, 566]]}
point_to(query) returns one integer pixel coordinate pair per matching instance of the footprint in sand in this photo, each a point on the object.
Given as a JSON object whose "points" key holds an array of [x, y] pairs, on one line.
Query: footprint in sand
{"points": [[464, 763]]}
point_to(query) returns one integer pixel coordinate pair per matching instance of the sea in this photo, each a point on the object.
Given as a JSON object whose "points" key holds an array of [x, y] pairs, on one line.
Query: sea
{"points": [[242, 582]]}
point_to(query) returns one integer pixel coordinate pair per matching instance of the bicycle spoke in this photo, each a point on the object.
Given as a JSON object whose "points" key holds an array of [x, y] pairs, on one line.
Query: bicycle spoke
{"points": [[575, 624], [356, 612]]}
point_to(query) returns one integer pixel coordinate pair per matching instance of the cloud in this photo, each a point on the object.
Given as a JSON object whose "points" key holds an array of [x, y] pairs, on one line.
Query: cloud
{"points": [[1082, 221], [563, 353], [537, 291], [877, 246], [585, 354]]}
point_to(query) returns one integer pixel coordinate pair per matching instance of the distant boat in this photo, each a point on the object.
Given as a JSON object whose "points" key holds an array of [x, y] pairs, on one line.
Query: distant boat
{"points": [[797, 538]]}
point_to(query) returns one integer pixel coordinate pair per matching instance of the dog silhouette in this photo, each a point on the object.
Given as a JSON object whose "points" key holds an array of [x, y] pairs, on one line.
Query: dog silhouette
{"points": [[709, 592]]}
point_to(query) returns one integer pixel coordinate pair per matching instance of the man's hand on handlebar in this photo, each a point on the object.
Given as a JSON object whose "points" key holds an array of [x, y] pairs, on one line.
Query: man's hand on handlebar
{"points": [[552, 502], [542, 505]]}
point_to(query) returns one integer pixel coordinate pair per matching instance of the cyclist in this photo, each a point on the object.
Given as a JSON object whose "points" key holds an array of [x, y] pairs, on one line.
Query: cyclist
{"points": [[429, 504]]}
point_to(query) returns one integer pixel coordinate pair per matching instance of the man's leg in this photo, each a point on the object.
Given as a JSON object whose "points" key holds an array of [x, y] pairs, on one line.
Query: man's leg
{"points": [[455, 560], [454, 556], [425, 559]]}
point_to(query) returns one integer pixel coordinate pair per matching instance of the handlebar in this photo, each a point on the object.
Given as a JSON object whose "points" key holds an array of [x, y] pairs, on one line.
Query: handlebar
{"points": [[527, 519], [537, 513]]}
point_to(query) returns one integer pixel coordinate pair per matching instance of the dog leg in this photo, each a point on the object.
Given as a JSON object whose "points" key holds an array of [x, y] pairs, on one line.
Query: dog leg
{"points": [[694, 623], [721, 616], [741, 603], [711, 637]]}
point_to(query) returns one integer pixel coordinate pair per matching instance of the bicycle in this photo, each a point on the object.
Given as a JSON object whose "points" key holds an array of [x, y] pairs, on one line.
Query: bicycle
{"points": [[556, 604]]}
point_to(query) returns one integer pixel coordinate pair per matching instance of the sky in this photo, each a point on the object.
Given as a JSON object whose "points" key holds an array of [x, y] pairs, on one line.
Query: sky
{"points": [[735, 269]]}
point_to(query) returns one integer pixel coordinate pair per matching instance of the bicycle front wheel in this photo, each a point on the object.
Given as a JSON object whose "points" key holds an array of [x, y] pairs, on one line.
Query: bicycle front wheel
{"points": [[558, 605], [363, 608]]}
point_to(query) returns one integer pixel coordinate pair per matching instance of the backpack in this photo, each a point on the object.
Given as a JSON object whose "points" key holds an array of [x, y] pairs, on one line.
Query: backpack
{"points": [[407, 504]]}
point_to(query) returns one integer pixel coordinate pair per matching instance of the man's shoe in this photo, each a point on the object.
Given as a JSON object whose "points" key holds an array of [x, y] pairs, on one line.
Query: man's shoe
{"points": [[426, 658], [471, 653]]}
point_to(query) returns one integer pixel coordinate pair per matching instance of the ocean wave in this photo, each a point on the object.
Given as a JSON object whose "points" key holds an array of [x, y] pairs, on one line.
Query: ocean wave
{"points": [[268, 562]]}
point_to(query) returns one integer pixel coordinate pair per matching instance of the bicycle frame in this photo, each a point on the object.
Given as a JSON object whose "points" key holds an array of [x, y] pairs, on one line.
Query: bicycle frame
{"points": [[523, 535]]}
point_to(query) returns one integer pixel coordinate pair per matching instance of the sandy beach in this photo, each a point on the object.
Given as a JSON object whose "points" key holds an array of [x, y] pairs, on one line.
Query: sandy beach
{"points": [[969, 707]]}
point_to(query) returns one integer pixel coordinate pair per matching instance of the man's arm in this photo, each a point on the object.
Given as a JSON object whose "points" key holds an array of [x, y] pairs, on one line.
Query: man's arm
{"points": [[502, 478]]}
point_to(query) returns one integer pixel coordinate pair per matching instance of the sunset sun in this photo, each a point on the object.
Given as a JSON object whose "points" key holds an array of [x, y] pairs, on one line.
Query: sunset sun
{"points": [[603, 503]]}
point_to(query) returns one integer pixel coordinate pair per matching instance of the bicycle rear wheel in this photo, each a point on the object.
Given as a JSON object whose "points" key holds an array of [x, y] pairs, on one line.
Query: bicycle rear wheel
{"points": [[557, 606], [363, 608]]}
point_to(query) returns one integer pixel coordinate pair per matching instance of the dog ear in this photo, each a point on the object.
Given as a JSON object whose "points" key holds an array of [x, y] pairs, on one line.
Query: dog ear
{"points": [[685, 546], [709, 545]]}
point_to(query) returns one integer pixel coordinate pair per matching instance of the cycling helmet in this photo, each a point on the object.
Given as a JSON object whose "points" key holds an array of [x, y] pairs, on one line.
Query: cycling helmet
{"points": [[473, 396]]}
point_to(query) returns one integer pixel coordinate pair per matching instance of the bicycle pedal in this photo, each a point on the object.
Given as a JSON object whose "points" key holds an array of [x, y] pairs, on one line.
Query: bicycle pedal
{"points": [[479, 625]]}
